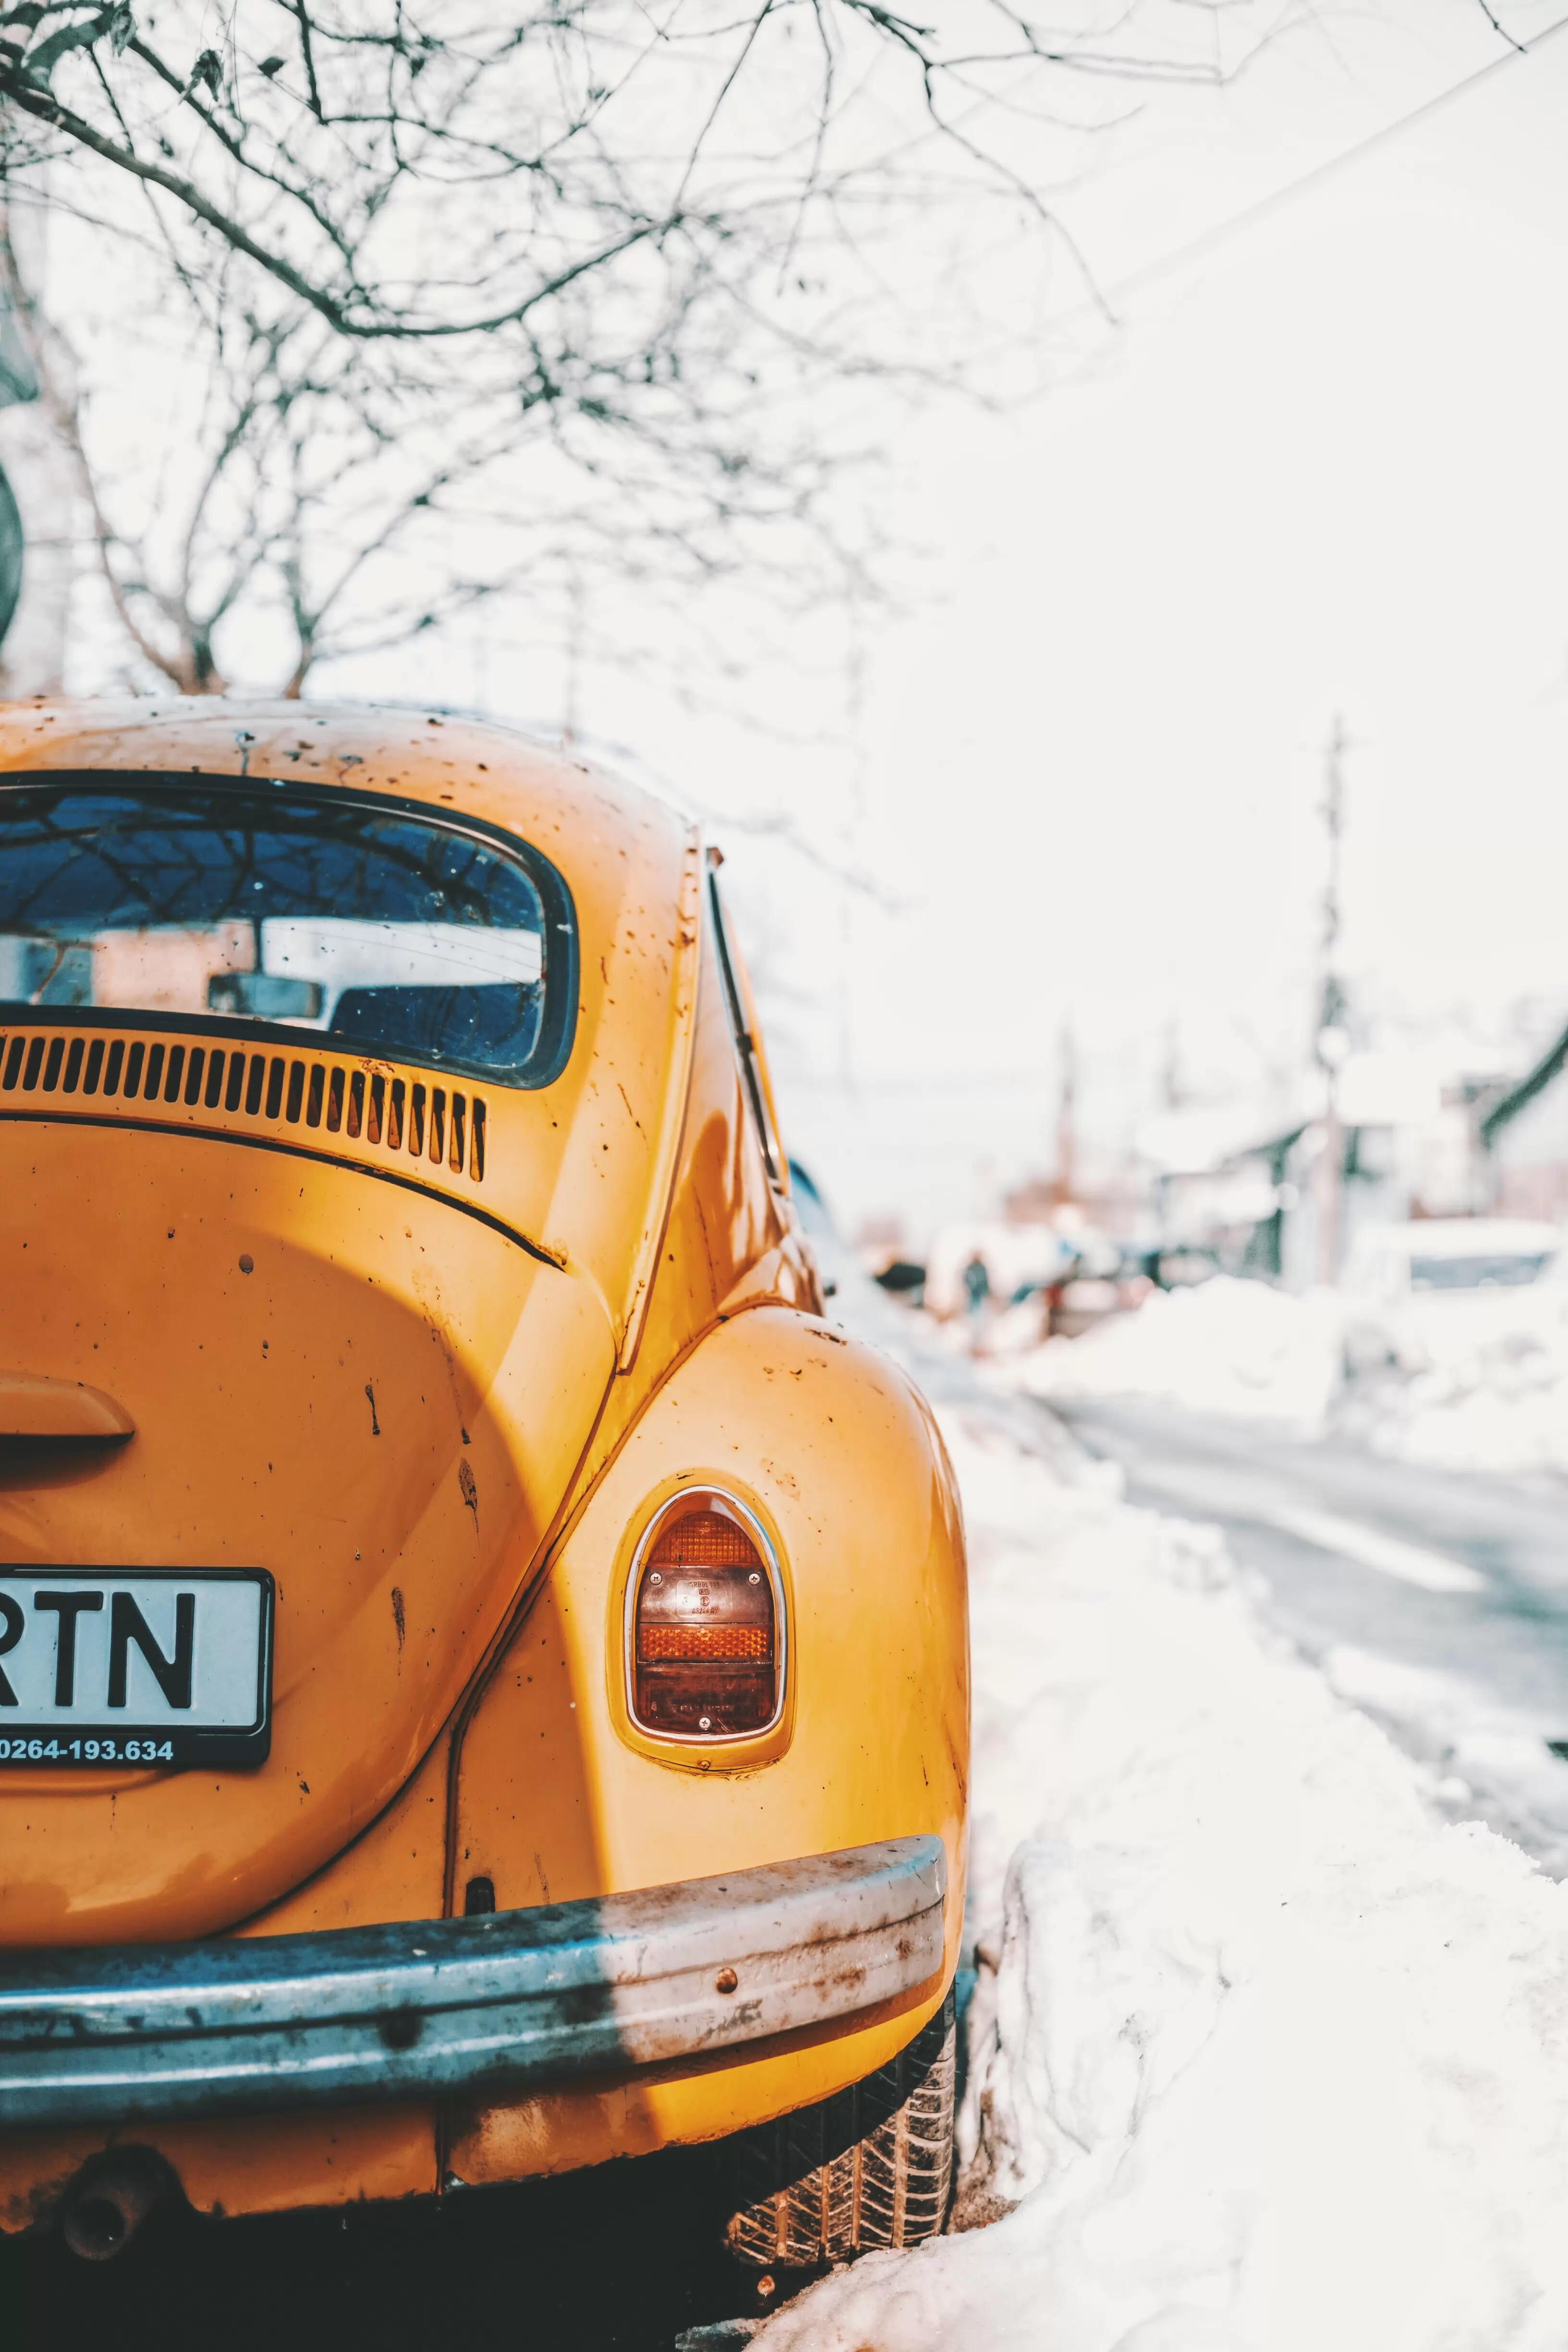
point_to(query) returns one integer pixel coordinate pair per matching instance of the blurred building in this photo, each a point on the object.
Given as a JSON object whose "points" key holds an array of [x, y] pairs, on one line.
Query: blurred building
{"points": [[1524, 1135], [1242, 1189], [1117, 1201]]}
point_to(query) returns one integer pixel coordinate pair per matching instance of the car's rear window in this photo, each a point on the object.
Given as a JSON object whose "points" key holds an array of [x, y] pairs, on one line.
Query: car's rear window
{"points": [[396, 933], [1505, 1270]]}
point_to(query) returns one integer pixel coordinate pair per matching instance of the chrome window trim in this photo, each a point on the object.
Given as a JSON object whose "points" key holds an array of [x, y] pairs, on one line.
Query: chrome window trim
{"points": [[555, 1045], [745, 1044]]}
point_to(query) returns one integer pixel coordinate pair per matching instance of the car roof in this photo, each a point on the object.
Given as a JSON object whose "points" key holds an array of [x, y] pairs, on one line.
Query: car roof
{"points": [[1468, 1237], [470, 766]]}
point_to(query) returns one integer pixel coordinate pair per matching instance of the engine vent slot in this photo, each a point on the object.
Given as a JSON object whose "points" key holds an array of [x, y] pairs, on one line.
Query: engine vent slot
{"points": [[264, 1088]]}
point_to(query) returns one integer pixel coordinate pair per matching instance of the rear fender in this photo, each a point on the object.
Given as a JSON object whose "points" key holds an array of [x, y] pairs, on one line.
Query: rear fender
{"points": [[557, 1795]]}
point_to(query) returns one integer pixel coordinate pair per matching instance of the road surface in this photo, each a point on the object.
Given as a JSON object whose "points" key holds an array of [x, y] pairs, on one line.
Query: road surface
{"points": [[1437, 1600], [623, 2259]]}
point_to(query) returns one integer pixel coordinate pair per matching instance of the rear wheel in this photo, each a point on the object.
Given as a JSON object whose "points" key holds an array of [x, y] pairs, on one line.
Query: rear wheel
{"points": [[870, 2167]]}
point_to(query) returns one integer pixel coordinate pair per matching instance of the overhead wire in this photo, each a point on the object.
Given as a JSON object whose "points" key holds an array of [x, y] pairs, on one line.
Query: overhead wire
{"points": [[1517, 50]]}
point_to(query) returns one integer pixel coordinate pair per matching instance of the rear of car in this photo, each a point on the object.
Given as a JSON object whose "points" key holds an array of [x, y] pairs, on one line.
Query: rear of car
{"points": [[1441, 1289], [443, 1544]]}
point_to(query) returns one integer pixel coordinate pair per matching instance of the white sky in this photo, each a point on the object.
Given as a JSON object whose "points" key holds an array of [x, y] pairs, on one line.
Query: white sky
{"points": [[1320, 467]]}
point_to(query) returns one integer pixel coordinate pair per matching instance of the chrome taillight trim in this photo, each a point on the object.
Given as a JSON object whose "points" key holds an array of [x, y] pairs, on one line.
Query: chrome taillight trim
{"points": [[767, 1552]]}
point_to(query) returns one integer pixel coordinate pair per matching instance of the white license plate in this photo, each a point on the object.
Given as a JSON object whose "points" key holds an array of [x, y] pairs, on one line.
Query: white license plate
{"points": [[150, 1665]]}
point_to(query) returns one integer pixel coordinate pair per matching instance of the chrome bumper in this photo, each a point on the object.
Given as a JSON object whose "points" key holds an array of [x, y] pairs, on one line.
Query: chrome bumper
{"points": [[489, 2006]]}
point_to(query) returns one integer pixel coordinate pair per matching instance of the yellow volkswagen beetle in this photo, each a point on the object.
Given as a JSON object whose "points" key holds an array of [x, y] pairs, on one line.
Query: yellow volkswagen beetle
{"points": [[483, 1662]]}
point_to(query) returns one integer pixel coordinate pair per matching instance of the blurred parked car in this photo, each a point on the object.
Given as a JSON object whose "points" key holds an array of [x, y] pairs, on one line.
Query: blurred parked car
{"points": [[1181, 1268], [1101, 1278], [1439, 1289], [1014, 1258]]}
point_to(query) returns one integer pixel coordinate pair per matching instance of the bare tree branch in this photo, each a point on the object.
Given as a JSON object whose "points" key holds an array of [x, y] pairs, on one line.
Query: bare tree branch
{"points": [[415, 314]]}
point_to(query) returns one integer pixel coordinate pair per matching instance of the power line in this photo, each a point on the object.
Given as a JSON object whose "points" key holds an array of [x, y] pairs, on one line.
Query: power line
{"points": [[1209, 238]]}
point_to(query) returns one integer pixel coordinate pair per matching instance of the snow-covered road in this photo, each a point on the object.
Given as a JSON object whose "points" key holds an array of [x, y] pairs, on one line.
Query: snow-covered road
{"points": [[1270, 2045], [1437, 1599], [1264, 2055]]}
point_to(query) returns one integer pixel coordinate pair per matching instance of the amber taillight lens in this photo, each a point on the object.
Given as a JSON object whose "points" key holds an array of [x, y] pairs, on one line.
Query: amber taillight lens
{"points": [[704, 1641]]}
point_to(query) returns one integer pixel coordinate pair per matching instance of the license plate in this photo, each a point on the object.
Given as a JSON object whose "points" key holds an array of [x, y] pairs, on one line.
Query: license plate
{"points": [[163, 1666]]}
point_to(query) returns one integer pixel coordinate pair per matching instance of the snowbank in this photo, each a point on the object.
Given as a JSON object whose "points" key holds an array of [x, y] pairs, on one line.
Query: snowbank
{"points": [[1263, 2054], [1250, 1353], [1227, 1347], [1503, 1408]]}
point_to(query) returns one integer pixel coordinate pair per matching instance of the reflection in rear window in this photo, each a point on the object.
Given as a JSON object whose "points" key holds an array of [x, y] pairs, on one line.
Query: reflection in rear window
{"points": [[400, 936], [1501, 1269]]}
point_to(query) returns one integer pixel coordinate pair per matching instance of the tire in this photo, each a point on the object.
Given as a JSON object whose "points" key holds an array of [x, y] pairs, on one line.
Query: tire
{"points": [[870, 2167]]}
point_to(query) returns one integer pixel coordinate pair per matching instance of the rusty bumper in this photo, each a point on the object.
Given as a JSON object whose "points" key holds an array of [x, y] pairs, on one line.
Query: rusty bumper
{"points": [[493, 2004]]}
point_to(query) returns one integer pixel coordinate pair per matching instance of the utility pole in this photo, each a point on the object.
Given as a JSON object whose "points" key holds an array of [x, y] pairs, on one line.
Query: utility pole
{"points": [[1330, 1042], [1172, 1093], [855, 802], [1064, 1185], [571, 720]]}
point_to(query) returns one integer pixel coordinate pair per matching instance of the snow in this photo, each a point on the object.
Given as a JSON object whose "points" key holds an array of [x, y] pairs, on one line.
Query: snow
{"points": [[1501, 1407], [1264, 2051], [1248, 1351], [1489, 1760], [1227, 1346]]}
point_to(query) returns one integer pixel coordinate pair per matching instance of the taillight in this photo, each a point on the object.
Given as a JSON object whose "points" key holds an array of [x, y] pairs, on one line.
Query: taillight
{"points": [[706, 1652]]}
